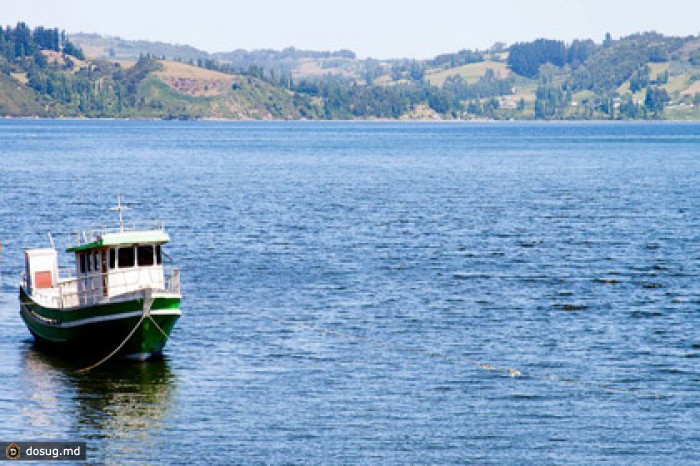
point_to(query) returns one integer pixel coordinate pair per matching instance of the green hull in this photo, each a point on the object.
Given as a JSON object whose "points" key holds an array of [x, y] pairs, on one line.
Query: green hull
{"points": [[98, 330]]}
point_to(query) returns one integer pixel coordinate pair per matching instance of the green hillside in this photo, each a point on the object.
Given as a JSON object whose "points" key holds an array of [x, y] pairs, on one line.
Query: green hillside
{"points": [[45, 73], [16, 99]]}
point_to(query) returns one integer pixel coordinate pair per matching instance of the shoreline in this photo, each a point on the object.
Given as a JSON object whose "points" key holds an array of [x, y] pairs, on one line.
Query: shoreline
{"points": [[368, 120]]}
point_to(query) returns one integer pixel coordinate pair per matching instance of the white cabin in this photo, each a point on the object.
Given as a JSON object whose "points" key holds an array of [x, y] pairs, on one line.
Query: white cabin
{"points": [[108, 265]]}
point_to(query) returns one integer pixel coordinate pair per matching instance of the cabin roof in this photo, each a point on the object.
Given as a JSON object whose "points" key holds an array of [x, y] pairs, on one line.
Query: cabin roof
{"points": [[127, 237]]}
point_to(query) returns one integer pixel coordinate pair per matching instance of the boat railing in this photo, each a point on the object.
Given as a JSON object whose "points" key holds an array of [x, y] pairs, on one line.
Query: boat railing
{"points": [[91, 234], [101, 288], [67, 272]]}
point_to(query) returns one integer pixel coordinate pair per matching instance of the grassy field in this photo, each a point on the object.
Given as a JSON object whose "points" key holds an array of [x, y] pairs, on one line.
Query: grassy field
{"points": [[471, 72], [524, 89], [582, 96], [687, 112], [194, 81], [312, 67], [126, 64], [21, 77], [60, 59], [692, 88]]}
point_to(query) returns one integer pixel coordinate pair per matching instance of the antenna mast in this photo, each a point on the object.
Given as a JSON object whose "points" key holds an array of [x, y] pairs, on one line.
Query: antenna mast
{"points": [[120, 208]]}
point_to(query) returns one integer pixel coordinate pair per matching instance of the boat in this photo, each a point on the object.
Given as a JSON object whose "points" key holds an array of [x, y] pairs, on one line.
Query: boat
{"points": [[118, 299]]}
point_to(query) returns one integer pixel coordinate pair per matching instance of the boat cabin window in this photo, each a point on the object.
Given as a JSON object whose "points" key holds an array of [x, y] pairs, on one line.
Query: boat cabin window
{"points": [[96, 262], [126, 257], [144, 254], [88, 260], [81, 261]]}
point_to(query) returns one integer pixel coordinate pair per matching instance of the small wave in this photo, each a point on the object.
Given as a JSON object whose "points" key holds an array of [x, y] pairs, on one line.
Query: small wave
{"points": [[468, 275], [607, 281], [643, 314], [571, 307], [528, 244], [526, 396], [672, 370]]}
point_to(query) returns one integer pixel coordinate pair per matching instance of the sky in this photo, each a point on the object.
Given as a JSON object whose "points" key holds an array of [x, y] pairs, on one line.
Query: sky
{"points": [[371, 28]]}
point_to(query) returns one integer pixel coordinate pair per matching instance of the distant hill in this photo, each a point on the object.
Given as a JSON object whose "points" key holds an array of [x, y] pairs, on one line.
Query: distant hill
{"points": [[289, 60], [641, 76], [100, 47]]}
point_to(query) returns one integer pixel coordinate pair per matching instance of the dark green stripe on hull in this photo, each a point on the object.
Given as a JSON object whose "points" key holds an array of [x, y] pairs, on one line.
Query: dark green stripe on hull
{"points": [[100, 338], [76, 331]]}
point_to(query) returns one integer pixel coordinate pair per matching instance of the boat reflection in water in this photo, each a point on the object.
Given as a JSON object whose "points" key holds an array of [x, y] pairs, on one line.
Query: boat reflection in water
{"points": [[120, 410]]}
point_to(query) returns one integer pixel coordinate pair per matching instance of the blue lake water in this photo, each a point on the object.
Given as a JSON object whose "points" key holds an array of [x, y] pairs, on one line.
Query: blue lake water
{"points": [[356, 293]]}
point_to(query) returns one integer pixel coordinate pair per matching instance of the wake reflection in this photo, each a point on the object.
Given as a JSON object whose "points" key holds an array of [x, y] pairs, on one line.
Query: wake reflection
{"points": [[120, 409]]}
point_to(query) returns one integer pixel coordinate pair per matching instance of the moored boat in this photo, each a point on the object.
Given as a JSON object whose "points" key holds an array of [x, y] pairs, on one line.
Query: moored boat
{"points": [[119, 298]]}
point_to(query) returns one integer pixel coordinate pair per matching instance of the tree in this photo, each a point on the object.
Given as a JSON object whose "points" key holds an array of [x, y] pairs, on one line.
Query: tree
{"points": [[662, 78], [24, 44], [373, 70], [656, 99], [640, 79], [525, 58], [451, 60], [550, 102], [629, 109], [70, 49], [417, 70], [607, 42], [497, 47], [579, 51]]}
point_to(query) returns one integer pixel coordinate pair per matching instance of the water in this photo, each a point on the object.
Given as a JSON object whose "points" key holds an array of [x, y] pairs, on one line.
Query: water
{"points": [[343, 281]]}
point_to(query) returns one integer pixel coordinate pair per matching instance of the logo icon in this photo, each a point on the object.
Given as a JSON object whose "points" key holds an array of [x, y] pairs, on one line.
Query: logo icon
{"points": [[12, 451]]}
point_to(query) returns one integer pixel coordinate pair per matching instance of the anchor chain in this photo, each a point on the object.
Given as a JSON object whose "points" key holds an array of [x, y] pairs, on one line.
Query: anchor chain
{"points": [[146, 312]]}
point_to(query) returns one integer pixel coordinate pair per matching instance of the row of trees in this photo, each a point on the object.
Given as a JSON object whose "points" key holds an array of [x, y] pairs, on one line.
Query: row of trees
{"points": [[525, 58], [345, 99], [451, 60], [20, 42], [554, 102]]}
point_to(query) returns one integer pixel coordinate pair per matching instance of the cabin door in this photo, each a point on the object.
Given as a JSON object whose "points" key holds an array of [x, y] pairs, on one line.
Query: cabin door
{"points": [[103, 263]]}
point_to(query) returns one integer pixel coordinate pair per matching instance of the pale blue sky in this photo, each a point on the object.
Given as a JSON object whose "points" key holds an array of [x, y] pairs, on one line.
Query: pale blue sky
{"points": [[375, 28]]}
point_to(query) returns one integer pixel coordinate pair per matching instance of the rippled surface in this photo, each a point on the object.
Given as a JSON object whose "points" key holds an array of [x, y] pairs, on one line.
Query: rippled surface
{"points": [[343, 282]]}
